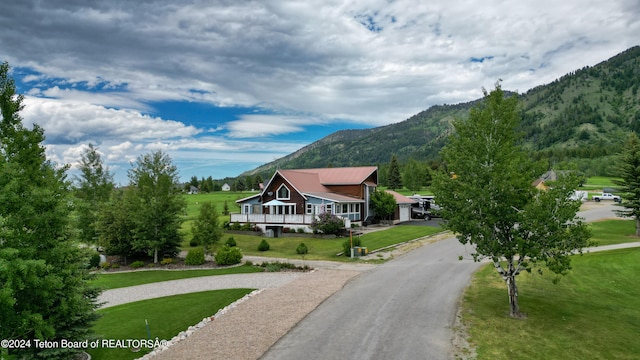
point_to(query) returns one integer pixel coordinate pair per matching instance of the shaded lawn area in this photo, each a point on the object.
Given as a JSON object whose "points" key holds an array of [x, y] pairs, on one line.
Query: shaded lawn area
{"points": [[167, 317], [592, 313], [124, 279], [326, 249]]}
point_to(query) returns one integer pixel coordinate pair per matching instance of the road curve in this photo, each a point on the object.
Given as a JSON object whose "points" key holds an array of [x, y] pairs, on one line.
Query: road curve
{"points": [[404, 309]]}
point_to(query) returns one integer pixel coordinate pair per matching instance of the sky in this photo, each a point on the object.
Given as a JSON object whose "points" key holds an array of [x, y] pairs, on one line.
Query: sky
{"points": [[225, 86]]}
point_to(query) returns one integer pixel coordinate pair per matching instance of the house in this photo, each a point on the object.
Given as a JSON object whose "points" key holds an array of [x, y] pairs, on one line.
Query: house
{"points": [[226, 187], [292, 198], [542, 183], [193, 190]]}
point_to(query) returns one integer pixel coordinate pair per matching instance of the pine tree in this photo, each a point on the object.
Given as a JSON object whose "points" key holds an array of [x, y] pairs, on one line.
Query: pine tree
{"points": [[44, 292], [628, 170], [394, 180]]}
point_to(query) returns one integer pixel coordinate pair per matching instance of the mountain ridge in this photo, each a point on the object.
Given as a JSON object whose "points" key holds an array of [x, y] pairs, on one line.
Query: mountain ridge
{"points": [[582, 116]]}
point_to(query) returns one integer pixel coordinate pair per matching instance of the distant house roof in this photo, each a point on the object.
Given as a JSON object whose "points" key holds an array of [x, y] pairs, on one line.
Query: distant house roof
{"points": [[401, 199]]}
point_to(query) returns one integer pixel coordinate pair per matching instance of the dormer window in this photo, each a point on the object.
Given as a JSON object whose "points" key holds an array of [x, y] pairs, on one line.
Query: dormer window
{"points": [[282, 193]]}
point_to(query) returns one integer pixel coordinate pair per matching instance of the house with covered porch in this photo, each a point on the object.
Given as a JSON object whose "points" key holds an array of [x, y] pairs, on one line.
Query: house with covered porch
{"points": [[293, 198]]}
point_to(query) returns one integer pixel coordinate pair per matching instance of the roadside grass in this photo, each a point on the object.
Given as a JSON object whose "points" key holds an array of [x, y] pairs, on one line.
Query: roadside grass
{"points": [[123, 279], [167, 316], [326, 249], [610, 232], [592, 313]]}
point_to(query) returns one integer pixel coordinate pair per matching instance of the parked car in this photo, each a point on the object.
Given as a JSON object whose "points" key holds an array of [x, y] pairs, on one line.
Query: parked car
{"points": [[606, 196]]}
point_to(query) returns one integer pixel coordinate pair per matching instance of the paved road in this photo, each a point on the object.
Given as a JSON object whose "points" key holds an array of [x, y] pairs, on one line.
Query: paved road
{"points": [[404, 309]]}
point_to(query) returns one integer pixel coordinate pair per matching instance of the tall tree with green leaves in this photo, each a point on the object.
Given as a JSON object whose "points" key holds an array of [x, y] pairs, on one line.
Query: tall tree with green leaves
{"points": [[207, 229], [415, 175], [394, 179], [44, 288], [94, 188], [160, 206], [627, 168], [116, 224], [490, 202], [383, 204]]}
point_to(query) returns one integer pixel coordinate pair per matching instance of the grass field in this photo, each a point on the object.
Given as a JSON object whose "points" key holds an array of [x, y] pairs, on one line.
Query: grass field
{"points": [[326, 249], [166, 316], [592, 313], [614, 232], [123, 279]]}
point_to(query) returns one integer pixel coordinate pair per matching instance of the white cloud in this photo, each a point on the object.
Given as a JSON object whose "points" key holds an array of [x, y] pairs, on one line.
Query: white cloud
{"points": [[101, 66]]}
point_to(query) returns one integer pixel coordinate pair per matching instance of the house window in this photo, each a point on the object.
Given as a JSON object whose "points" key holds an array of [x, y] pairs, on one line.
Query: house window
{"points": [[309, 209], [283, 193]]}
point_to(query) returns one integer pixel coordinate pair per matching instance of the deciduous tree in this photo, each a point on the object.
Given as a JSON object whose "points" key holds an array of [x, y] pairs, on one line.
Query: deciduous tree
{"points": [[384, 204], [490, 201], [207, 229], [160, 206], [94, 188]]}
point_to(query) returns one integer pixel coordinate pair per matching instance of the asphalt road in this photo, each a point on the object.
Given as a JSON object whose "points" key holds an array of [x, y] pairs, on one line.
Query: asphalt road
{"points": [[403, 309]]}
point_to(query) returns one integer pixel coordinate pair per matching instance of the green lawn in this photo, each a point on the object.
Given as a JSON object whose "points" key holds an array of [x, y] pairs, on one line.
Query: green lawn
{"points": [[592, 313], [599, 182], [326, 249], [124, 279], [166, 316], [610, 232]]}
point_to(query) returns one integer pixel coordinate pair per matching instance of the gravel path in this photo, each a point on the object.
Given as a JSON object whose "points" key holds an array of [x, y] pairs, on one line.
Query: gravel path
{"points": [[247, 330], [174, 287]]}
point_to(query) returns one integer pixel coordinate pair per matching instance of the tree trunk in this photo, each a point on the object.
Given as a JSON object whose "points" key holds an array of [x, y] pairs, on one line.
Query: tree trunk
{"points": [[512, 289], [637, 227], [155, 255]]}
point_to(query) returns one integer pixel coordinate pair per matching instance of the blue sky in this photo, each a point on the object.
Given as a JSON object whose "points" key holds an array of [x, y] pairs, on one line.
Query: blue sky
{"points": [[224, 87]]}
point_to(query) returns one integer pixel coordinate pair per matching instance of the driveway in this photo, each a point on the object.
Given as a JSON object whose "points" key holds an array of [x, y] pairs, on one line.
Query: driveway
{"points": [[403, 309]]}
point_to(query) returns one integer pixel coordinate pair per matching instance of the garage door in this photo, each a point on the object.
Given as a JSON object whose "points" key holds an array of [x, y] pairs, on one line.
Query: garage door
{"points": [[405, 212]]}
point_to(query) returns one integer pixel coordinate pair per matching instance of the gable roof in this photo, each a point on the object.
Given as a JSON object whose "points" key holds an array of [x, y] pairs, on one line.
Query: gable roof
{"points": [[401, 199], [315, 181]]}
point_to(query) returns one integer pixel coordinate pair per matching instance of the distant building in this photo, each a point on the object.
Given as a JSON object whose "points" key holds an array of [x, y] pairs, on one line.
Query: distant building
{"points": [[226, 187]]}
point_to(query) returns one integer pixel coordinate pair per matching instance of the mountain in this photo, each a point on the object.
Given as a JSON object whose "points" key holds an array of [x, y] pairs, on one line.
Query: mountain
{"points": [[581, 117]]}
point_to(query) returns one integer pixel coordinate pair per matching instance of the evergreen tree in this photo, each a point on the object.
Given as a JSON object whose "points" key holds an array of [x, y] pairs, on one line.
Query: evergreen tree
{"points": [[628, 170], [159, 205], [116, 224], [44, 292], [394, 180], [94, 189]]}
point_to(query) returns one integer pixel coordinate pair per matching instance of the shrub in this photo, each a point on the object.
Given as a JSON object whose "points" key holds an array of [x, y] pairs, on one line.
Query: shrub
{"points": [[346, 246], [230, 242], [300, 230], [327, 223], [106, 265], [94, 261], [166, 261], [193, 243], [263, 246], [195, 257], [228, 256], [137, 264], [302, 249]]}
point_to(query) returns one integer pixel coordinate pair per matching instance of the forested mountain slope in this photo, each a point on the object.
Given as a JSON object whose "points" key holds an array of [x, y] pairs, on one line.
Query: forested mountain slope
{"points": [[582, 117]]}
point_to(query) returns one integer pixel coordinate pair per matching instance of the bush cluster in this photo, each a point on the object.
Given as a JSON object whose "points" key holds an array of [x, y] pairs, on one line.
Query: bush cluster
{"points": [[263, 246], [346, 246], [231, 242], [195, 257], [227, 255], [136, 264], [302, 249], [94, 261], [166, 261]]}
